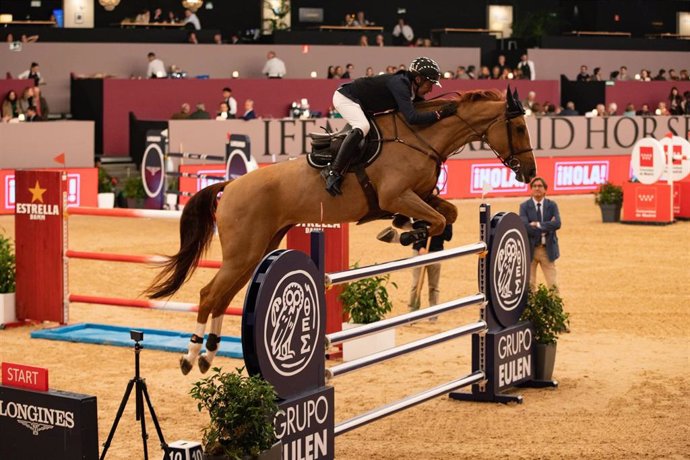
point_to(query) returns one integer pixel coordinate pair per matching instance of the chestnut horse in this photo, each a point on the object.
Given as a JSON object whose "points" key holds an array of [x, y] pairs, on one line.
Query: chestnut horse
{"points": [[256, 210]]}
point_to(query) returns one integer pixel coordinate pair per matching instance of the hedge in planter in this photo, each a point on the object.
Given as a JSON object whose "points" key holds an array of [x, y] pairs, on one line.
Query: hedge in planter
{"points": [[610, 200]]}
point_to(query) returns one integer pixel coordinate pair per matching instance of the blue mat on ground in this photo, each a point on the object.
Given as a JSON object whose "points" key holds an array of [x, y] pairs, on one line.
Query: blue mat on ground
{"points": [[154, 339]]}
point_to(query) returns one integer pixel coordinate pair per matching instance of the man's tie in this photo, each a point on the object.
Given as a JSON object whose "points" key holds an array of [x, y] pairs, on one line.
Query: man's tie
{"points": [[539, 212]]}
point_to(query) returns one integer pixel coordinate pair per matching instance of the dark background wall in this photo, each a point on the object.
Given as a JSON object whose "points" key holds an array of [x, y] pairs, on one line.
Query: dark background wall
{"points": [[636, 16]]}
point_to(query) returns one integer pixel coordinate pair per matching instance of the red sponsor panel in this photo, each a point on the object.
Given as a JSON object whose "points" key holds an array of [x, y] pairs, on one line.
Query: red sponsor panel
{"points": [[647, 203], [81, 188], [40, 239], [646, 157], [21, 376], [337, 259], [681, 200], [565, 175]]}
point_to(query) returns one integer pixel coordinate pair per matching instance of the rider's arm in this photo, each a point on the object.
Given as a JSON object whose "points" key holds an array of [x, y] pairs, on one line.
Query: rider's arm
{"points": [[402, 93]]}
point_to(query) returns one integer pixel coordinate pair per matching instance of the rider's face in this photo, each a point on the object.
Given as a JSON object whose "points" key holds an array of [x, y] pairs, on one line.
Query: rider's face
{"points": [[423, 86]]}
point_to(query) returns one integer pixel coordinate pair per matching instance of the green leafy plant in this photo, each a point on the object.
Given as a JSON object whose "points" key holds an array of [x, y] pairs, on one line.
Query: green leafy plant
{"points": [[105, 181], [241, 410], [609, 193], [134, 188], [366, 301], [7, 265], [545, 311]]}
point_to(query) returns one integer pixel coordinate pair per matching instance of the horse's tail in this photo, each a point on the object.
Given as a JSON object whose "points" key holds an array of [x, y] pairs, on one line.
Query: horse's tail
{"points": [[196, 231]]}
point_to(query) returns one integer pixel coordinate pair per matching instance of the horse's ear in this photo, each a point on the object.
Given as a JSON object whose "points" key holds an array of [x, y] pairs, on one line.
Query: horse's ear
{"points": [[515, 95], [513, 105], [509, 96]]}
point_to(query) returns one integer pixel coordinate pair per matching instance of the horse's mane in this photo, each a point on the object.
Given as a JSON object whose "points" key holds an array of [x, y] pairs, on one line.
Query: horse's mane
{"points": [[467, 96]]}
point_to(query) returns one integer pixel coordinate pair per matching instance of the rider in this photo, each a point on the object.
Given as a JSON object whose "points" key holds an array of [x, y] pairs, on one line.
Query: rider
{"points": [[378, 94]]}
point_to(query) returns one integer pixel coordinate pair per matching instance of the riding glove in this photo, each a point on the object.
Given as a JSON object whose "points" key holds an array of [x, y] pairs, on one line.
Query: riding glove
{"points": [[447, 110]]}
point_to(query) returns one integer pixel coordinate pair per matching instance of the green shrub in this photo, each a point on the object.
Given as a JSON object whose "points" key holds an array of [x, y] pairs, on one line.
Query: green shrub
{"points": [[105, 181], [545, 310], [366, 301], [609, 193], [134, 188], [241, 410], [7, 265]]}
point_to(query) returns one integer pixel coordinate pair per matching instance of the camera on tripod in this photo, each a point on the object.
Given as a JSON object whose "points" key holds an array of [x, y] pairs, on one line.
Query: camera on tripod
{"points": [[137, 336]]}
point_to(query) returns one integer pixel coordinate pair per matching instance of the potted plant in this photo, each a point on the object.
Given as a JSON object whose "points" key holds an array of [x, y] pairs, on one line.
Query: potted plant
{"points": [[545, 311], [7, 280], [609, 197], [172, 193], [134, 191], [106, 192], [241, 411], [366, 301]]}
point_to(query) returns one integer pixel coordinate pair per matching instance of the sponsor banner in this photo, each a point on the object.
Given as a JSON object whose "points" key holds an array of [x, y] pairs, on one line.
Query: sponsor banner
{"points": [[681, 200], [648, 160], [510, 362], [47, 425], [82, 188], [647, 203], [304, 425], [679, 151], [22, 376]]}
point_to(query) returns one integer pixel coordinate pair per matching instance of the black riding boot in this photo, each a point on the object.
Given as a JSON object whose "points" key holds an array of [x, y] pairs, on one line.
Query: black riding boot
{"points": [[337, 169]]}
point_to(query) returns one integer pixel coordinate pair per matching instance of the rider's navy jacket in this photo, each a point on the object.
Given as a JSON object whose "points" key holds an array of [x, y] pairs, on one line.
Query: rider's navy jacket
{"points": [[387, 92]]}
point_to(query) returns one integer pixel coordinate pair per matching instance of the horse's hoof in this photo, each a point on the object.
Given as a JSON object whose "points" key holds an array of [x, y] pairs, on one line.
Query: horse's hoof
{"points": [[204, 364], [185, 366]]}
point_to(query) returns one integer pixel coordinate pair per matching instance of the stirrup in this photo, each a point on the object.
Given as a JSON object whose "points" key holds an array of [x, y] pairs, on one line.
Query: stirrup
{"points": [[333, 181]]}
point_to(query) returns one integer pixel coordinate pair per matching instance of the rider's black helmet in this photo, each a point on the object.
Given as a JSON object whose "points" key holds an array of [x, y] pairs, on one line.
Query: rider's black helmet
{"points": [[427, 68]]}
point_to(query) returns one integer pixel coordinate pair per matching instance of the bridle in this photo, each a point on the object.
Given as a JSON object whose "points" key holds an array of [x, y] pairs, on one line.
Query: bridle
{"points": [[511, 160]]}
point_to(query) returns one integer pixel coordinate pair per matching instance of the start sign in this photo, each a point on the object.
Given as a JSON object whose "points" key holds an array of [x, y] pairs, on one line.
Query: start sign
{"points": [[21, 376]]}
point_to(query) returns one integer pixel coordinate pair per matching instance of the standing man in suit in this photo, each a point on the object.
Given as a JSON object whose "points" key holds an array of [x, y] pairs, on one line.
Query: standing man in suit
{"points": [[541, 218]]}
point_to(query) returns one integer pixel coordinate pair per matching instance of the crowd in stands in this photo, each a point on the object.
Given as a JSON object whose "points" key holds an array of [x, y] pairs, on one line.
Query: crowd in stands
{"points": [[622, 74]]}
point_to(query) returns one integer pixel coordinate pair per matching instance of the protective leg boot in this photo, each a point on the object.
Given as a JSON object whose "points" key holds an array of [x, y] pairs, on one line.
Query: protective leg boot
{"points": [[338, 168]]}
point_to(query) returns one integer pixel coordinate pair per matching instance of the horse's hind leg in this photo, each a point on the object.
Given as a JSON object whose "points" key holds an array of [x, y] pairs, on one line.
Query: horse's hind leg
{"points": [[194, 347]]}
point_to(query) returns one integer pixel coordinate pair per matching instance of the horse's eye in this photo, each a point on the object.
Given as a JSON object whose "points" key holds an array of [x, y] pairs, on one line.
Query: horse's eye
{"points": [[520, 129]]}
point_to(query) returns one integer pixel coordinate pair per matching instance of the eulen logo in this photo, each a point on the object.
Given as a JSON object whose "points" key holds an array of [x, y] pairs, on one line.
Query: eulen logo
{"points": [[580, 175], [292, 323], [510, 270], [500, 178]]}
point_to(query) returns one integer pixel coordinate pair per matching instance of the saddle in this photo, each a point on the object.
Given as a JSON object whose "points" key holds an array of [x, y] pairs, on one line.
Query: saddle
{"points": [[325, 146]]}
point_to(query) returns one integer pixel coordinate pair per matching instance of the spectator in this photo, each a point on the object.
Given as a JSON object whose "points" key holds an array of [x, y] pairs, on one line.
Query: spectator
{"points": [[31, 114], [33, 73], [542, 219], [672, 75], [675, 102], [172, 17], [600, 110], [644, 111], [403, 35], [274, 66], [629, 110], [426, 43], [218, 39], [471, 72], [144, 17], [156, 68], [338, 72], [9, 38], [402, 66], [379, 41], [157, 16], [231, 101], [686, 103], [433, 271], [662, 109], [530, 100], [330, 74], [200, 113], [369, 72], [484, 73], [40, 103], [496, 72], [552, 110], [349, 20], [537, 109], [29, 38], [501, 63], [363, 40], [183, 114], [584, 74], [249, 113], [569, 110], [527, 68], [612, 110], [684, 75], [460, 73], [623, 74], [223, 110], [596, 75], [349, 71], [191, 20], [10, 105], [361, 21], [661, 76], [191, 38], [644, 75], [27, 99]]}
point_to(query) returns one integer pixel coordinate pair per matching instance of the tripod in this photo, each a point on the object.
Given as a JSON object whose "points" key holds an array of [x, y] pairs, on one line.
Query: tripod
{"points": [[141, 393]]}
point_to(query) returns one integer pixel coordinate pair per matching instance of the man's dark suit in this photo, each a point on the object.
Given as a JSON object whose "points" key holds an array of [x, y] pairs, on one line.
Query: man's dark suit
{"points": [[551, 221]]}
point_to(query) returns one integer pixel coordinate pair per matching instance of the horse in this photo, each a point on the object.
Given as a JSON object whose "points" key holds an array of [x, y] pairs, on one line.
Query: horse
{"points": [[256, 210]]}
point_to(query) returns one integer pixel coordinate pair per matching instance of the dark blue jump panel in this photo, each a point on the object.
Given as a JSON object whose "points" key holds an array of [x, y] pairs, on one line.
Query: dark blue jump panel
{"points": [[154, 339]]}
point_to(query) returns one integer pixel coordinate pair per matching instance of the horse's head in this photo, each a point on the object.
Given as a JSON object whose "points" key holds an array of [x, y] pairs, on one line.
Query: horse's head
{"points": [[509, 139]]}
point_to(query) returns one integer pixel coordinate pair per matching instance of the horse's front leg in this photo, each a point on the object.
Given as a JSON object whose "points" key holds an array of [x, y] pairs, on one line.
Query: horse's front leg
{"points": [[446, 208], [410, 204]]}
